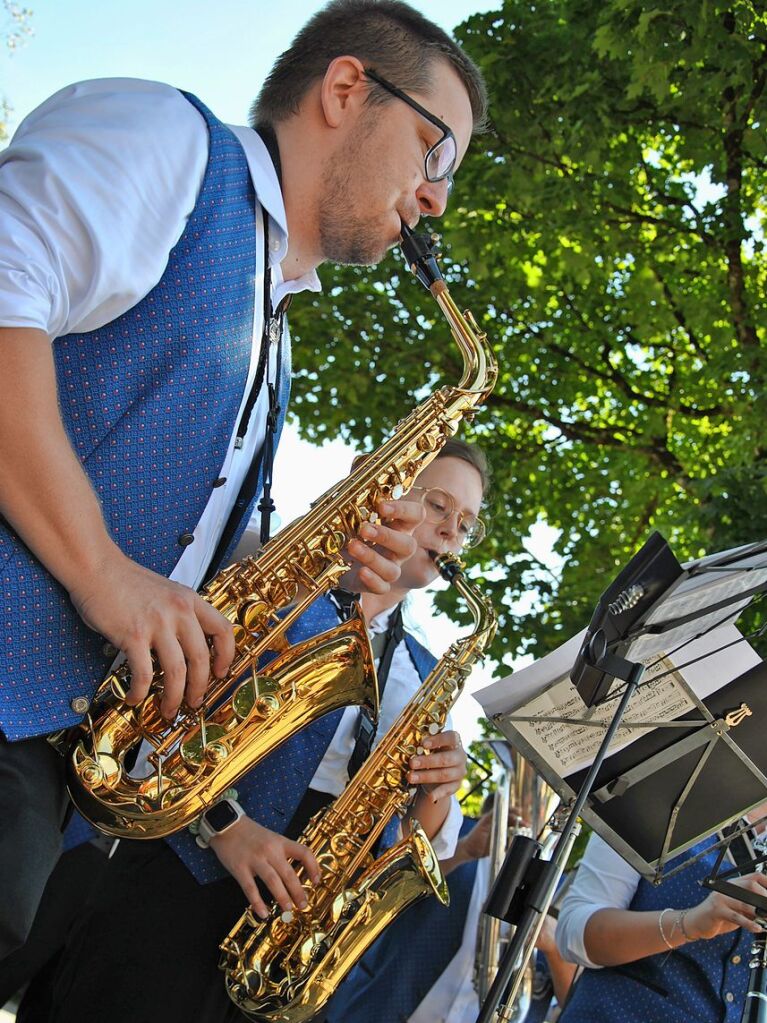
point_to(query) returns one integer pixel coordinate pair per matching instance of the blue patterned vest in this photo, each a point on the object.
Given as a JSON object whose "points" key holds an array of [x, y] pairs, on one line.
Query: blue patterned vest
{"points": [[703, 981], [271, 792], [149, 402]]}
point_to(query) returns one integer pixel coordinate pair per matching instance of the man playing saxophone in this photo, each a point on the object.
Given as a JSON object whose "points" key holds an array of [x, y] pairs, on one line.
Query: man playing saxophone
{"points": [[149, 253], [174, 893]]}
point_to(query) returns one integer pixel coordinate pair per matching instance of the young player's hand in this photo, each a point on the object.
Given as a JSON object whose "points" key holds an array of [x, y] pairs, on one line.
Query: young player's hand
{"points": [[250, 851], [442, 769], [382, 547]]}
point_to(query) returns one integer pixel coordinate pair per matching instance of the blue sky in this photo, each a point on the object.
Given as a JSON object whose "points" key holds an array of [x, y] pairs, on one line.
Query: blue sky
{"points": [[221, 51]]}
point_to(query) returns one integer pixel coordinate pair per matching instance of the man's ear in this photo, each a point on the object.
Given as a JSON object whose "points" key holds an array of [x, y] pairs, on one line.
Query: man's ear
{"points": [[343, 90]]}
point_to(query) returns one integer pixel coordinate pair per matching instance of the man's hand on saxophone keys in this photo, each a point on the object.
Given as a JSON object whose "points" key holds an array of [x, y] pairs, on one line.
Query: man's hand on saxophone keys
{"points": [[382, 547], [141, 613]]}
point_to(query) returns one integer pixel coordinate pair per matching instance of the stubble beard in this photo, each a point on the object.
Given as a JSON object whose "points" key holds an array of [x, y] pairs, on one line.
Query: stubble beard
{"points": [[346, 235]]}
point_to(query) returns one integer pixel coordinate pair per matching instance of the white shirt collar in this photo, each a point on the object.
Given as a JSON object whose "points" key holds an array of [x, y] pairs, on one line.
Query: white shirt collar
{"points": [[380, 623]]}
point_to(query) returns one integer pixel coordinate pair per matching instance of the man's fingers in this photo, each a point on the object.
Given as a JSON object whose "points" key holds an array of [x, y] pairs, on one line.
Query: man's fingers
{"points": [[197, 655], [142, 671], [173, 665], [219, 630]]}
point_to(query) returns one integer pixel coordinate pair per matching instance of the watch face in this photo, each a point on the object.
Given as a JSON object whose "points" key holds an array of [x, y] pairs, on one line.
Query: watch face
{"points": [[220, 816]]}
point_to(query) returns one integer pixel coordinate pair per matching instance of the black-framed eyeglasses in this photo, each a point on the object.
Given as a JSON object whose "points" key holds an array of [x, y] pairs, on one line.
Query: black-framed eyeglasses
{"points": [[440, 506], [439, 162]]}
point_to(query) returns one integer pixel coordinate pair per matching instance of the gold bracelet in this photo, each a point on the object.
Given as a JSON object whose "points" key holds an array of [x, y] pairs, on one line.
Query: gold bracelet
{"points": [[682, 927]]}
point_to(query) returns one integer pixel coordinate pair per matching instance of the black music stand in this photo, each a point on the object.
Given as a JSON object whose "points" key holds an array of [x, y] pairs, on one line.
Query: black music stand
{"points": [[654, 603]]}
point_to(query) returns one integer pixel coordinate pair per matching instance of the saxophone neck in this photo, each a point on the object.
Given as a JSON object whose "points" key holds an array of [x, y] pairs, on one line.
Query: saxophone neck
{"points": [[480, 369], [485, 619]]}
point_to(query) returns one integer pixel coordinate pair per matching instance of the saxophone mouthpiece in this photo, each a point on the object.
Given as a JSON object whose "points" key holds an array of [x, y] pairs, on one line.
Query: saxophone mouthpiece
{"points": [[417, 250], [449, 565]]}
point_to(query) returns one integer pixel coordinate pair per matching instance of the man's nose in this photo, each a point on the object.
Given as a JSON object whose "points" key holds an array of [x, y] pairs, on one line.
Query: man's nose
{"points": [[432, 197]]}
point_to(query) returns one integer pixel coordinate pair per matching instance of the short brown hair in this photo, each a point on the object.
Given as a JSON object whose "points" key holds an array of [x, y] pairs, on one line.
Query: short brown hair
{"points": [[388, 35], [455, 448]]}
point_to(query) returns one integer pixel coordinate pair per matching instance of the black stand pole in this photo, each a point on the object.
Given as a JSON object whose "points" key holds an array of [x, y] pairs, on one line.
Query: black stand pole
{"points": [[543, 889]]}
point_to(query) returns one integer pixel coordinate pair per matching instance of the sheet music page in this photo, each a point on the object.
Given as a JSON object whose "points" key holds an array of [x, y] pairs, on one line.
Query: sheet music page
{"points": [[700, 591], [544, 693]]}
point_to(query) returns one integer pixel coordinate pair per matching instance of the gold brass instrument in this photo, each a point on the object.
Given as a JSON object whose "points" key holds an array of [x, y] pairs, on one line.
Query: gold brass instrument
{"points": [[523, 803], [284, 969], [245, 716]]}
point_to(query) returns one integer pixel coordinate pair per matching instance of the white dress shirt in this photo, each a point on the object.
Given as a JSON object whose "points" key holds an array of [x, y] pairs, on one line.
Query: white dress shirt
{"points": [[604, 881], [96, 188], [332, 774]]}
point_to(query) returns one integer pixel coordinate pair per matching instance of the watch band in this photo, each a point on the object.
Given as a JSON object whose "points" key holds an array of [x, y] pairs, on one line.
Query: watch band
{"points": [[207, 830]]}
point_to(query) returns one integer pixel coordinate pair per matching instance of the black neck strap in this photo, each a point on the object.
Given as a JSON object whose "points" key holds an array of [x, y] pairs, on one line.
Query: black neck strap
{"points": [[273, 329], [366, 727]]}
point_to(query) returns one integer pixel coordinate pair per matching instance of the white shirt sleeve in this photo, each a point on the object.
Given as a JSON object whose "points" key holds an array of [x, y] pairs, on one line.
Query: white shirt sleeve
{"points": [[446, 839], [604, 881], [95, 190]]}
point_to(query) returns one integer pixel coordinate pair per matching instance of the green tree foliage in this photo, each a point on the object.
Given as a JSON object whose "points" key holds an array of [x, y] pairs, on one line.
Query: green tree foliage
{"points": [[608, 233]]}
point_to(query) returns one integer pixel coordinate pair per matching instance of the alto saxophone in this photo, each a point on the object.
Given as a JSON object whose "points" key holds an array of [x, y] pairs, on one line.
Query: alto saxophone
{"points": [[284, 969], [246, 715]]}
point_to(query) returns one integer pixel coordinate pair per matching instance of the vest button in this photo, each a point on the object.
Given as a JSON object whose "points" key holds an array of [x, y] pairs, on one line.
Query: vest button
{"points": [[729, 997], [185, 539], [219, 482], [80, 704], [735, 960]]}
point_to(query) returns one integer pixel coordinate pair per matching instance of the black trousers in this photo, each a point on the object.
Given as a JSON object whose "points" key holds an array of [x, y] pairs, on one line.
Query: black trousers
{"points": [[146, 947], [33, 806], [64, 900], [145, 950]]}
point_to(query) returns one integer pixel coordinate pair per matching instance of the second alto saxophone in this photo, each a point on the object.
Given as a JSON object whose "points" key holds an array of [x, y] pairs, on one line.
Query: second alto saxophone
{"points": [[285, 969]]}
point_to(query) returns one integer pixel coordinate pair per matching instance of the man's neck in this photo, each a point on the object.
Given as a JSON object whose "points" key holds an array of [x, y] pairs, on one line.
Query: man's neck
{"points": [[375, 603], [299, 188]]}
